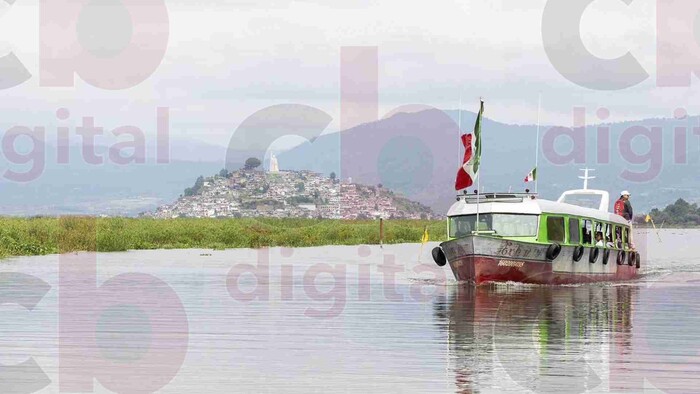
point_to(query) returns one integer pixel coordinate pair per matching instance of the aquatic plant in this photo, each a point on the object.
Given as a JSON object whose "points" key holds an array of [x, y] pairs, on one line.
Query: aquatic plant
{"points": [[49, 235]]}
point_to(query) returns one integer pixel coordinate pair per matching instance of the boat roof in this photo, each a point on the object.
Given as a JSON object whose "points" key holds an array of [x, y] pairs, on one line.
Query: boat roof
{"points": [[526, 204], [585, 202]]}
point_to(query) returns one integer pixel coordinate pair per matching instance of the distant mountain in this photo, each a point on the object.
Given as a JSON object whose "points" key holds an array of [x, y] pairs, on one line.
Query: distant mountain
{"points": [[104, 189], [414, 154]]}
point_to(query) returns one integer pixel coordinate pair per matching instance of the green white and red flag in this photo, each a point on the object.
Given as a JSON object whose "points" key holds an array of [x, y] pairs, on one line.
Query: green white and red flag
{"points": [[467, 174], [532, 176]]}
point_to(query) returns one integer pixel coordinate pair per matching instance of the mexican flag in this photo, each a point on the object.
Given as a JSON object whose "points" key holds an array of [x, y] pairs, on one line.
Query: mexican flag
{"points": [[472, 155], [532, 176]]}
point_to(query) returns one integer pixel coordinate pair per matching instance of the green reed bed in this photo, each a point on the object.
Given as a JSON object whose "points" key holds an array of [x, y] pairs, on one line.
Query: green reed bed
{"points": [[46, 235]]}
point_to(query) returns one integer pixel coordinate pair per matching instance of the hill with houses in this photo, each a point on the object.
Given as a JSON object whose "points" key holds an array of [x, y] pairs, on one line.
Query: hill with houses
{"points": [[289, 194]]}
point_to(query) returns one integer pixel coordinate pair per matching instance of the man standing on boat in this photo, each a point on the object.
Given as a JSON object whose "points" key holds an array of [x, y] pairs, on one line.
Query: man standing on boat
{"points": [[623, 207]]}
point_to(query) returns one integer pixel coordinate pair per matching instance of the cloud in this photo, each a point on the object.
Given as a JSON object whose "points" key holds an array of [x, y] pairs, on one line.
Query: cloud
{"points": [[227, 59]]}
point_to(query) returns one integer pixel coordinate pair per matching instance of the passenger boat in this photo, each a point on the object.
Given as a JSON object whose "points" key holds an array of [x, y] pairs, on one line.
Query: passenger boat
{"points": [[504, 237]]}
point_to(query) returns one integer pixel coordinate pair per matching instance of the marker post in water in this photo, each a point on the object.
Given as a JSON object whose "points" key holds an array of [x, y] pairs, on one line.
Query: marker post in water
{"points": [[381, 233], [423, 240], [649, 219]]}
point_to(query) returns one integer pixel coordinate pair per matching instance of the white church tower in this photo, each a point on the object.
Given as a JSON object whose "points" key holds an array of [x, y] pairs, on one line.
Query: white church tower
{"points": [[274, 166]]}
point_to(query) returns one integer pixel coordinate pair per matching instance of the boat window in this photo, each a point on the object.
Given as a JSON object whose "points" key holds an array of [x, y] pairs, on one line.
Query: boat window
{"points": [[625, 237], [503, 224], [583, 200], [618, 237], [587, 231], [555, 228], [574, 231], [461, 226], [608, 233], [598, 231], [604, 230]]}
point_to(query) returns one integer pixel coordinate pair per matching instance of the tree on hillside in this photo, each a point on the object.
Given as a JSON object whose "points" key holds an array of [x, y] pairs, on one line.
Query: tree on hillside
{"points": [[224, 173], [680, 213], [300, 187], [252, 163], [333, 176], [194, 190]]}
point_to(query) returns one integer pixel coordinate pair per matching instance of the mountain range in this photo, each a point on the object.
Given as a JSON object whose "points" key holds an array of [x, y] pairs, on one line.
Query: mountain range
{"points": [[415, 154]]}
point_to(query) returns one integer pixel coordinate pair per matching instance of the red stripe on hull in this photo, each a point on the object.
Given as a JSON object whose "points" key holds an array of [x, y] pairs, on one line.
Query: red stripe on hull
{"points": [[482, 269]]}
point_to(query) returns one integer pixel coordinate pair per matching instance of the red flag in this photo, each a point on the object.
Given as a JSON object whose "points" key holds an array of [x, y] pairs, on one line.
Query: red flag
{"points": [[464, 178]]}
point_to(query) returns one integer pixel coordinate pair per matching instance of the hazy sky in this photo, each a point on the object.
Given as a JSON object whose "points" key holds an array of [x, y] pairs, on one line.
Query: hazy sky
{"points": [[227, 59]]}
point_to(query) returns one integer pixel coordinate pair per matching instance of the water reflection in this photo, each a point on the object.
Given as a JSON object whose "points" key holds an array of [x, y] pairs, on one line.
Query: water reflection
{"points": [[545, 339], [401, 333]]}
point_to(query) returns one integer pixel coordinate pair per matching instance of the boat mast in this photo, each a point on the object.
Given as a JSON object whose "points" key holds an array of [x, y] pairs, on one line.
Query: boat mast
{"points": [[478, 199], [478, 177], [585, 177], [537, 140]]}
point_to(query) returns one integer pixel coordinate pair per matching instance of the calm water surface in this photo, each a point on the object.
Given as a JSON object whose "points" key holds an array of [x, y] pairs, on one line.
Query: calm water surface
{"points": [[341, 319]]}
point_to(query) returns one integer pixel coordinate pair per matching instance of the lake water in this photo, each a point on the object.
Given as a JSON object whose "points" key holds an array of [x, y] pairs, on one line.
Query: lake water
{"points": [[341, 319]]}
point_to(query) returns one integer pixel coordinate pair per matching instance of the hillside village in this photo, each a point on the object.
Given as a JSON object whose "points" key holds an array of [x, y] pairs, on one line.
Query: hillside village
{"points": [[288, 194]]}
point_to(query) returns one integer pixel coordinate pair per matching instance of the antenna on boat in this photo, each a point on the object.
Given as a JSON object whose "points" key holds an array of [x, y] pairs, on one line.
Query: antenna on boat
{"points": [[585, 177], [537, 140], [478, 177]]}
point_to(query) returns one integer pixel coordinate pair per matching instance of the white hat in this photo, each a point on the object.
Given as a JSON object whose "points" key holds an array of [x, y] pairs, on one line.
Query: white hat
{"points": [[625, 193]]}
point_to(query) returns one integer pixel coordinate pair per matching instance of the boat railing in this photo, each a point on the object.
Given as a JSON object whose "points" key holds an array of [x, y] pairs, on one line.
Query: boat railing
{"points": [[495, 197]]}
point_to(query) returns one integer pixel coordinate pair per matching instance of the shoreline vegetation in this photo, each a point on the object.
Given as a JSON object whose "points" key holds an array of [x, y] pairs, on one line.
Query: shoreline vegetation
{"points": [[680, 214], [38, 236], [51, 235]]}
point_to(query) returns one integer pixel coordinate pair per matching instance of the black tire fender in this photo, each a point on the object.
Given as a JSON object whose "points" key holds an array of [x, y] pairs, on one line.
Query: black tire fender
{"points": [[578, 253], [631, 258], [593, 255], [638, 259], [553, 251], [606, 256], [620, 257], [439, 256]]}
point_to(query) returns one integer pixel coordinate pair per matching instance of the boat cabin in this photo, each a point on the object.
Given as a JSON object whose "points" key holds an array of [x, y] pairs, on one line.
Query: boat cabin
{"points": [[574, 219]]}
